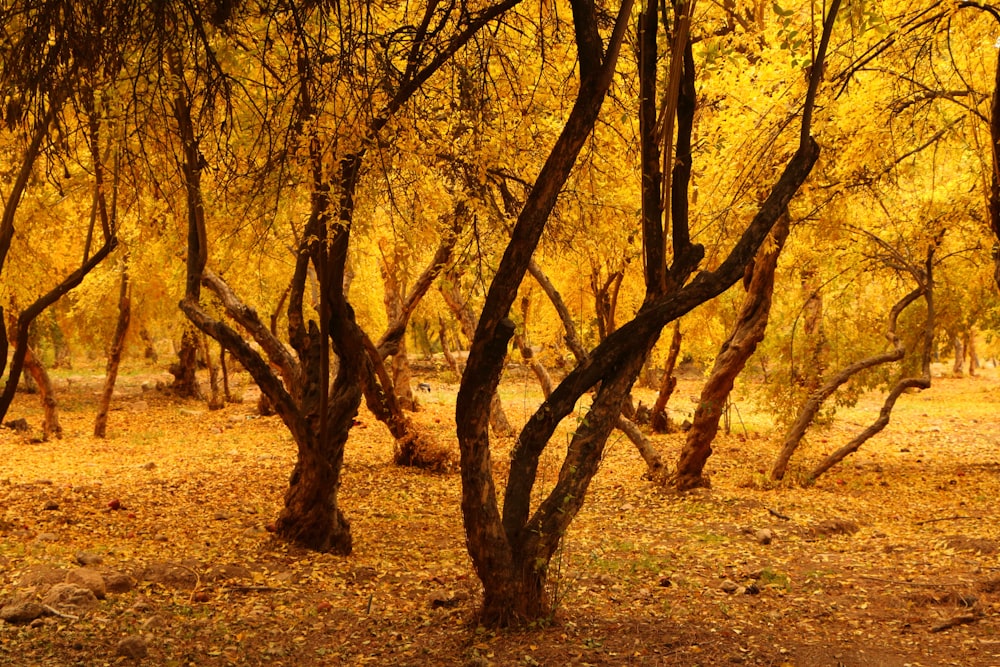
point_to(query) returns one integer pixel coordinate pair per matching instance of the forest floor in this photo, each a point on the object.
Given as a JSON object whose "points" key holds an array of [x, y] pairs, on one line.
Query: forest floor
{"points": [[891, 559]]}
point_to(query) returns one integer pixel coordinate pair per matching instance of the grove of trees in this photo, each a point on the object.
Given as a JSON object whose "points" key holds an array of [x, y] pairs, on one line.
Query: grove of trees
{"points": [[807, 192]]}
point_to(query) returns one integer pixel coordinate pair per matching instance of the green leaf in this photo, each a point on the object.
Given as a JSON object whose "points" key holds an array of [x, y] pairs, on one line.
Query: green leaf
{"points": [[781, 12]]}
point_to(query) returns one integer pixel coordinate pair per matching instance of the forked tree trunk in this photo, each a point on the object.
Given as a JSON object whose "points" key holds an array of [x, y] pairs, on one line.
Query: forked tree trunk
{"points": [[811, 408], [925, 278], [311, 516], [114, 357], [659, 417], [50, 422], [751, 323]]}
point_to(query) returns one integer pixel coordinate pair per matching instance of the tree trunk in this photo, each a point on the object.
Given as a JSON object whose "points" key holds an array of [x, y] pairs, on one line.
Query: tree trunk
{"points": [[993, 203], [114, 356], [446, 350], [925, 279], [50, 423], [225, 375], [148, 348], [751, 324], [958, 366], [970, 351], [502, 545], [311, 516], [660, 419], [527, 354], [185, 369], [215, 399], [467, 322], [814, 366], [815, 401]]}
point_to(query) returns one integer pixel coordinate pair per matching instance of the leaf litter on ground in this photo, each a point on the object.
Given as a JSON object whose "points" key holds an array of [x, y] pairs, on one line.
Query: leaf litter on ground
{"points": [[889, 559]]}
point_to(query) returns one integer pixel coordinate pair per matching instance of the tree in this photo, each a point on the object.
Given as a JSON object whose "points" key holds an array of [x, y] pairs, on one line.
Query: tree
{"points": [[321, 43], [751, 324], [511, 549], [54, 69]]}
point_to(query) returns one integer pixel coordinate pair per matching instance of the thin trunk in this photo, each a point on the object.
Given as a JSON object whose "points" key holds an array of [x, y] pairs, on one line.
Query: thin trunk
{"points": [[114, 356], [46, 394], [392, 299], [225, 375], [959, 347], [521, 341], [814, 367], [993, 204], [446, 350], [815, 401], [926, 280], [215, 400], [148, 348], [751, 324], [660, 419], [655, 467]]}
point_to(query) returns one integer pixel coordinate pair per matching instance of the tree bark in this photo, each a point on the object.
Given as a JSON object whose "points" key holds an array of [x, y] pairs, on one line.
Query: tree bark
{"points": [[970, 351], [46, 394], [511, 555], [114, 356], [660, 419], [958, 367], [216, 401], [185, 369], [462, 311], [751, 323]]}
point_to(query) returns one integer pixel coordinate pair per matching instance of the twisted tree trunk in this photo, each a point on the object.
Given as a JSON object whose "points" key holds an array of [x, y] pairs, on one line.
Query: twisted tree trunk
{"points": [[751, 323]]}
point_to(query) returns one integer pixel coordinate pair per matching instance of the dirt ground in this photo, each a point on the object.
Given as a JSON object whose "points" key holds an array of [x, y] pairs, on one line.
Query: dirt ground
{"points": [[889, 560]]}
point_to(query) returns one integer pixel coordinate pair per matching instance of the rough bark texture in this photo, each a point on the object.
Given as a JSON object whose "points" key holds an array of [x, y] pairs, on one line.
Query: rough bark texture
{"points": [[751, 323], [46, 394], [185, 369], [114, 357], [216, 401], [460, 308]]}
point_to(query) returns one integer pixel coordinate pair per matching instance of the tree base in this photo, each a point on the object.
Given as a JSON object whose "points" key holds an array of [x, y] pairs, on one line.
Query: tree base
{"points": [[689, 482]]}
